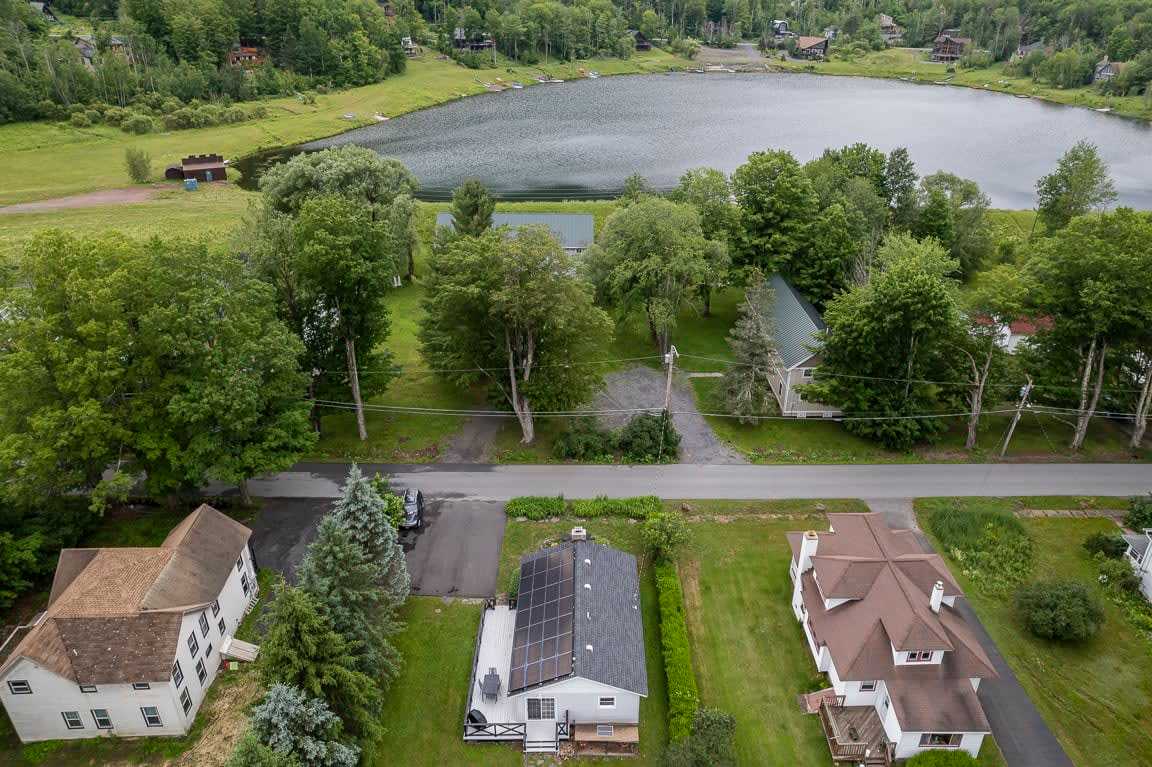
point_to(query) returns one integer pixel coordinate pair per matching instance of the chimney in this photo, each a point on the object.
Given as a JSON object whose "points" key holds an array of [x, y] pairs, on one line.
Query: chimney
{"points": [[808, 545], [579, 534], [937, 596]]}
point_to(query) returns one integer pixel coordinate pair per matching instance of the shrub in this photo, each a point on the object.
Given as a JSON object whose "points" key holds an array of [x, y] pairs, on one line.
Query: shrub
{"points": [[80, 120], [292, 722], [535, 507], [710, 744], [942, 759], [1139, 516], [138, 123], [633, 508], [990, 545], [139, 165], [1108, 544], [664, 533], [650, 438], [683, 696], [116, 115], [1118, 574], [1064, 610], [584, 440]]}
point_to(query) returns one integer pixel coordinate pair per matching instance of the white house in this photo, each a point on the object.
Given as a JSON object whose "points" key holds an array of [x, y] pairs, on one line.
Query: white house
{"points": [[574, 231], [879, 618], [132, 637], [1138, 554], [795, 327], [566, 660]]}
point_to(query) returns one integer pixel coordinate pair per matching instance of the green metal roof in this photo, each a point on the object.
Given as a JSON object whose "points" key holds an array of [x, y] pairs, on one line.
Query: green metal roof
{"points": [[575, 231], [795, 323]]}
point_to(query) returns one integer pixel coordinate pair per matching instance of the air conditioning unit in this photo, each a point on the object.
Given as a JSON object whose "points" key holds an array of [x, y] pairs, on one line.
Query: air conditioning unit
{"points": [[579, 534]]}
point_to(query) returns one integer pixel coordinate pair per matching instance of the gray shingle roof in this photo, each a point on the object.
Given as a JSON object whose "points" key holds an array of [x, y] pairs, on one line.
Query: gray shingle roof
{"points": [[574, 230], [608, 618], [795, 323], [1139, 543]]}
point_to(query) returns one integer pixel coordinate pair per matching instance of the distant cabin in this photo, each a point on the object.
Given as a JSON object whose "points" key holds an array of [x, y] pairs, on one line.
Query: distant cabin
{"points": [[811, 47], [1105, 70], [202, 167], [575, 231], [795, 328], [246, 56], [641, 42], [410, 48], [86, 45], [780, 29], [45, 11], [1023, 50], [948, 47], [475, 43], [892, 32]]}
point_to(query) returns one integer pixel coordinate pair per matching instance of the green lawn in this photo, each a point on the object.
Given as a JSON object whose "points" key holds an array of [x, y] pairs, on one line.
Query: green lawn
{"points": [[1097, 697], [912, 64], [42, 160]]}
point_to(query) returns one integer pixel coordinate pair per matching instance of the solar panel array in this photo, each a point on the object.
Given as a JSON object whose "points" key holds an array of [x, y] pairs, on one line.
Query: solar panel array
{"points": [[545, 617]]}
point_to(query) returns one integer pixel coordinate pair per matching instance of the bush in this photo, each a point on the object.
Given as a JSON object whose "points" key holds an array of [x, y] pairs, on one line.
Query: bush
{"points": [[942, 759], [664, 533], [138, 123], [80, 120], [683, 696], [1139, 516], [535, 507], [1064, 610], [633, 508], [1110, 545], [990, 545], [139, 165], [710, 744], [584, 440], [650, 438], [1118, 574]]}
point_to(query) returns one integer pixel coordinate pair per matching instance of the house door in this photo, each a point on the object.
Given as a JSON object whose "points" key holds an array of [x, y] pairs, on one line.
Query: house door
{"points": [[541, 708]]}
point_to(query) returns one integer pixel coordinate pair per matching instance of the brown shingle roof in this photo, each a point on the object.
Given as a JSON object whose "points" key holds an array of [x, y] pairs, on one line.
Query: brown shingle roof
{"points": [[936, 705], [114, 614], [805, 41]]}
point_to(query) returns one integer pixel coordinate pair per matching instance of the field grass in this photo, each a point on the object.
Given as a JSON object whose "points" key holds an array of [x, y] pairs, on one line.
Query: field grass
{"points": [[1096, 697], [912, 64], [39, 160]]}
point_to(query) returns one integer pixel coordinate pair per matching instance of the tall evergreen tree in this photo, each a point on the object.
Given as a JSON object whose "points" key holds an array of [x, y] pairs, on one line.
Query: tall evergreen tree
{"points": [[295, 724], [748, 384], [362, 511], [900, 184], [472, 208]]}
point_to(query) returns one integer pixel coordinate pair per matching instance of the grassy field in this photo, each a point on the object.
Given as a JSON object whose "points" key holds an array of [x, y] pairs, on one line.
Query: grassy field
{"points": [[42, 160], [912, 64], [1097, 697]]}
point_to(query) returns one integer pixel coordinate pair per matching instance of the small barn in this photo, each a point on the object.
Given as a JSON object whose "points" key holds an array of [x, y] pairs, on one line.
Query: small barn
{"points": [[202, 167], [811, 47]]}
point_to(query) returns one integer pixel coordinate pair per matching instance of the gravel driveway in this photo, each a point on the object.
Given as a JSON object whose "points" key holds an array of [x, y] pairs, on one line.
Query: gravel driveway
{"points": [[644, 387]]}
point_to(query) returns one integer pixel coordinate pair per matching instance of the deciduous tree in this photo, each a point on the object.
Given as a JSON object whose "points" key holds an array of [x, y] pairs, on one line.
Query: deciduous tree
{"points": [[777, 205], [1079, 184]]}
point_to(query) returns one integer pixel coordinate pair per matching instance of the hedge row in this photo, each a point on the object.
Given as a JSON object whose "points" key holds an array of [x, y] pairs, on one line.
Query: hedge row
{"points": [[539, 507], [683, 697]]}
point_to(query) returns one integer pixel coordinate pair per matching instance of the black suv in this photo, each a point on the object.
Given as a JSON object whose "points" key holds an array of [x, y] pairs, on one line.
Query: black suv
{"points": [[413, 510]]}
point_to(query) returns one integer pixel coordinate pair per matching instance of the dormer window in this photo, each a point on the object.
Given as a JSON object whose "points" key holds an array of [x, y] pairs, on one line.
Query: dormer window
{"points": [[920, 656]]}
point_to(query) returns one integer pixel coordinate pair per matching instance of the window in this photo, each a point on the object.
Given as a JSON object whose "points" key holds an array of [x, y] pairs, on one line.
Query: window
{"points": [[807, 372], [244, 583], [220, 625], [240, 563], [541, 708], [151, 716], [19, 687], [607, 703], [201, 672], [940, 740], [204, 624], [605, 730], [177, 674], [208, 651], [101, 718], [141, 686], [885, 704], [215, 607], [185, 701], [72, 720], [867, 686], [87, 688], [193, 645], [919, 656]]}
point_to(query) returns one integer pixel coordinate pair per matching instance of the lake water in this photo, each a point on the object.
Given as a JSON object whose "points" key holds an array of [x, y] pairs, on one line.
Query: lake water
{"points": [[583, 138]]}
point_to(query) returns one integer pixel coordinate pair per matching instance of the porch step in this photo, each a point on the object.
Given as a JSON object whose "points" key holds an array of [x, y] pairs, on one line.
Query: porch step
{"points": [[539, 746]]}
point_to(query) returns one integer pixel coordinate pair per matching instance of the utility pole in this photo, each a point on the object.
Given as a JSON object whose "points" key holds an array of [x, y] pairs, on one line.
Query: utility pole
{"points": [[670, 361], [1016, 418]]}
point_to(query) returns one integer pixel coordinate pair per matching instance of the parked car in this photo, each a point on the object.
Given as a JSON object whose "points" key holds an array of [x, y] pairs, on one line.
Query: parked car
{"points": [[413, 509]]}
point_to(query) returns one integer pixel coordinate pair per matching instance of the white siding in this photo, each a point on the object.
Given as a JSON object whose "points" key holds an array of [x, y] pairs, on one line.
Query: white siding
{"points": [[908, 745], [580, 698], [791, 403]]}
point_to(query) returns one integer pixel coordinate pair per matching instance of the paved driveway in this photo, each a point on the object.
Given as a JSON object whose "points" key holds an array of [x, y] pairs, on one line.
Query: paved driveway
{"points": [[456, 552]]}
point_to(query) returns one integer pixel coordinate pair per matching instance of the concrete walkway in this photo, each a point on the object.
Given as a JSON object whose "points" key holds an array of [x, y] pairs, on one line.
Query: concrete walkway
{"points": [[1021, 733]]}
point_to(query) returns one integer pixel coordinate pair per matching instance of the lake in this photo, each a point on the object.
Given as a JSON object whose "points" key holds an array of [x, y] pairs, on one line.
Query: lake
{"points": [[583, 138]]}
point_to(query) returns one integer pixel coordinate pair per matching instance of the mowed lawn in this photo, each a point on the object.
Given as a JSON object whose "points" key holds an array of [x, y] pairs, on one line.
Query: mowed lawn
{"points": [[1097, 696]]}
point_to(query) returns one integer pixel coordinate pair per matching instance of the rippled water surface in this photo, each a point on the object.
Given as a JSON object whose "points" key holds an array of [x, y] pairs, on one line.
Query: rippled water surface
{"points": [[591, 134]]}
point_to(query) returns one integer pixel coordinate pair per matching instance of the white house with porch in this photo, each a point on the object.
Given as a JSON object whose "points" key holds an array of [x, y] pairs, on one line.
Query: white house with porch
{"points": [[795, 328], [879, 616], [1139, 556], [564, 660], [132, 638]]}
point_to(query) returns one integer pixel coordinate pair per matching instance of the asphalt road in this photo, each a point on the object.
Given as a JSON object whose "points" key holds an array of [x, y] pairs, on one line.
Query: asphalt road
{"points": [[456, 552], [499, 483]]}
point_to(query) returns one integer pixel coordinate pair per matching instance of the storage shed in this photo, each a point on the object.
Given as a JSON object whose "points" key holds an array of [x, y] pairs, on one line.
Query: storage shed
{"points": [[202, 167]]}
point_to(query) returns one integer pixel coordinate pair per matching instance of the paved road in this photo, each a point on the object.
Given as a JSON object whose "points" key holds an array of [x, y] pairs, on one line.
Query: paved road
{"points": [[499, 483], [455, 553], [1021, 733]]}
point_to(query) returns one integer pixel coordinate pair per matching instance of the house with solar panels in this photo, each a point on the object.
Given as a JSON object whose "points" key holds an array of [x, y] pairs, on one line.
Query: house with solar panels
{"points": [[574, 231], [795, 328], [563, 660]]}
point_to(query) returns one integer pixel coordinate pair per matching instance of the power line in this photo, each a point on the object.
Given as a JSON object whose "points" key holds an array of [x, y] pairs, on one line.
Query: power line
{"points": [[501, 369]]}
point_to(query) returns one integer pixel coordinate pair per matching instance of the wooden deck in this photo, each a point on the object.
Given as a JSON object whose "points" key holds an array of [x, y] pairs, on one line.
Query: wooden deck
{"points": [[855, 734]]}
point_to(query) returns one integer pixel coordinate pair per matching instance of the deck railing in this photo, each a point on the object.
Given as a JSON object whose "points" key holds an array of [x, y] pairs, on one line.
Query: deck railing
{"points": [[563, 729], [494, 730], [843, 748]]}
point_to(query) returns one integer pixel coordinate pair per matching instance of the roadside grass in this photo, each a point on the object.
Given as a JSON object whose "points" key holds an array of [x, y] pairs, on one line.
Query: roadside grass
{"points": [[912, 64], [1096, 696], [42, 160], [723, 509], [695, 336], [1023, 502]]}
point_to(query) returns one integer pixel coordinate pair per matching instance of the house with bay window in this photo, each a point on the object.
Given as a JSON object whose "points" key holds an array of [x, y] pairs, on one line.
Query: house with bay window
{"points": [[879, 617], [132, 638]]}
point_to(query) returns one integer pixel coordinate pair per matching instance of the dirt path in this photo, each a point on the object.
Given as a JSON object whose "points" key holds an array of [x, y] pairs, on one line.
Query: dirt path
{"points": [[473, 442], [641, 387], [90, 200]]}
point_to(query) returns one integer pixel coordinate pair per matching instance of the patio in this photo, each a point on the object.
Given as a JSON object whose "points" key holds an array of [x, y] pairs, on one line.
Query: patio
{"points": [[855, 733], [493, 651]]}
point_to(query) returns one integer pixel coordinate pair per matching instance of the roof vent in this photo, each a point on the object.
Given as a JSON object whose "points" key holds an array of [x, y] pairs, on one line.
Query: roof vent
{"points": [[588, 586], [588, 647], [579, 534], [588, 562]]}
